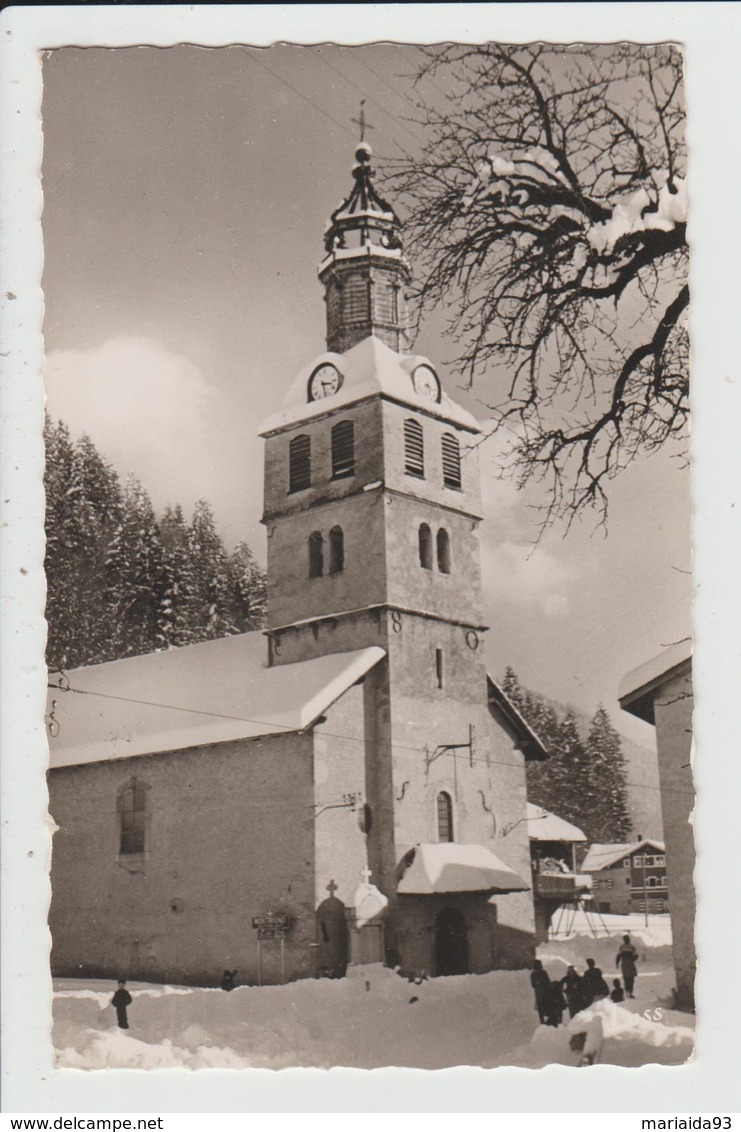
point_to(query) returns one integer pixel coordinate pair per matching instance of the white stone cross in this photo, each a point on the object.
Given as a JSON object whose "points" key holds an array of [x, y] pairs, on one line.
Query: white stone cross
{"points": [[366, 874]]}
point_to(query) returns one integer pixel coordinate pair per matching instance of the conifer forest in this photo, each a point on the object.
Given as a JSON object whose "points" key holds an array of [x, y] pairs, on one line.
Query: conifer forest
{"points": [[122, 581]]}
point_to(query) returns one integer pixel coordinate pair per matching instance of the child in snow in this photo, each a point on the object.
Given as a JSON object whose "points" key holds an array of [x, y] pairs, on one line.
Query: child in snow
{"points": [[227, 980], [617, 994], [120, 1001]]}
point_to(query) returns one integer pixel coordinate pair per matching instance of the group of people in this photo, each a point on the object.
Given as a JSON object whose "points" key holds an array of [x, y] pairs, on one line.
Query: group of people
{"points": [[577, 992]]}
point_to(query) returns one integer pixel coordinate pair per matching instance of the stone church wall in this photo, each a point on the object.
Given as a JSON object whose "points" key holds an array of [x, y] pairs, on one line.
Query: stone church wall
{"points": [[229, 836], [293, 595]]}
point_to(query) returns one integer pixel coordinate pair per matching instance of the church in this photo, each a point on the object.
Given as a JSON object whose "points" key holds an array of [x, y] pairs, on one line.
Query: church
{"points": [[347, 786]]}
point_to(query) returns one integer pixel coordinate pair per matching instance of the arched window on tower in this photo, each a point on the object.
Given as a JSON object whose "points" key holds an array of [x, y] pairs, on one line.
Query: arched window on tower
{"points": [[451, 461], [336, 550], [443, 551], [343, 450], [414, 449], [299, 463], [131, 804], [316, 554], [425, 546], [444, 817]]}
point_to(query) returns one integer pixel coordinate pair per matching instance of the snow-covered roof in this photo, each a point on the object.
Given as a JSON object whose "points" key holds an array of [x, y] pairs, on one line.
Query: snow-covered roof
{"points": [[636, 690], [602, 856], [450, 867], [213, 692], [545, 826], [369, 368], [529, 742]]}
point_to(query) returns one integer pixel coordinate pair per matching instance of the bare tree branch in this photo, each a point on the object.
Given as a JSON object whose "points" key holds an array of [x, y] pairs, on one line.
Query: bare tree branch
{"points": [[547, 214]]}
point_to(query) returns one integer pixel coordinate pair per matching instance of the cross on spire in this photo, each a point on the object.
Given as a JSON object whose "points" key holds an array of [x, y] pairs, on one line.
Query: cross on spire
{"points": [[361, 121], [366, 874], [332, 887]]}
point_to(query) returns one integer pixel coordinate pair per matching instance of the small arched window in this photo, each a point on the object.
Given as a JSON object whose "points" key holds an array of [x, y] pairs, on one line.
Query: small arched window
{"points": [[132, 812], [316, 554], [444, 817], [336, 550], [443, 551], [299, 463], [425, 546], [414, 449], [343, 450], [451, 461]]}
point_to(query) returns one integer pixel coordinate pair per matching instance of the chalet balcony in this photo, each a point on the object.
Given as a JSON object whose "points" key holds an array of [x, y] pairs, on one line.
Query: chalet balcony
{"points": [[563, 887]]}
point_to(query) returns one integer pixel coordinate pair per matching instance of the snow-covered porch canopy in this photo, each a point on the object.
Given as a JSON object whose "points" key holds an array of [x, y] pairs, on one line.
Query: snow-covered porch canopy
{"points": [[449, 867], [542, 825]]}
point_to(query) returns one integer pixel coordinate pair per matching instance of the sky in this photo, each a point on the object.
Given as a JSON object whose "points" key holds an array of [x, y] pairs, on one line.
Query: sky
{"points": [[185, 196]]}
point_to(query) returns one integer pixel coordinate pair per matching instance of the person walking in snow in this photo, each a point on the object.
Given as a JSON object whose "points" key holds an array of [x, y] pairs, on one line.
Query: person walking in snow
{"points": [[540, 983], [617, 994], [593, 985], [571, 985], [120, 1001], [626, 960], [555, 1004]]}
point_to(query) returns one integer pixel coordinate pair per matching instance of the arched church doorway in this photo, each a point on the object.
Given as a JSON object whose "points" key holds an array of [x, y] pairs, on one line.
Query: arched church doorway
{"points": [[451, 943], [332, 939]]}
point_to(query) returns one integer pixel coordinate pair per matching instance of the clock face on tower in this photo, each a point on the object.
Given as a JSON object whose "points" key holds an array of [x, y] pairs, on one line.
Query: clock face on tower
{"points": [[426, 383], [324, 381]]}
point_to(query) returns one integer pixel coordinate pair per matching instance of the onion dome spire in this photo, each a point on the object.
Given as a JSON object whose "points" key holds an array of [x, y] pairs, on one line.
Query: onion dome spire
{"points": [[364, 272]]}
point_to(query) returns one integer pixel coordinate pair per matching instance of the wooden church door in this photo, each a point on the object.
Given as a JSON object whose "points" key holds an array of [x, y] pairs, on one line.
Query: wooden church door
{"points": [[451, 943]]}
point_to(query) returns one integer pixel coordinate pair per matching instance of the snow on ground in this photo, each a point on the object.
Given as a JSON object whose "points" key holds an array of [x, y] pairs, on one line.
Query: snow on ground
{"points": [[369, 1020]]}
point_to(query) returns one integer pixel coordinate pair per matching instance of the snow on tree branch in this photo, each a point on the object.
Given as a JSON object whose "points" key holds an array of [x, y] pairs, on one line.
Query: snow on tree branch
{"points": [[547, 214]]}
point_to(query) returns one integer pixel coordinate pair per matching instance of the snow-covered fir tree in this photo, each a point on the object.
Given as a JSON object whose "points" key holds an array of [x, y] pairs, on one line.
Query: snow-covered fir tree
{"points": [[120, 582], [611, 819], [209, 605], [583, 781], [248, 588]]}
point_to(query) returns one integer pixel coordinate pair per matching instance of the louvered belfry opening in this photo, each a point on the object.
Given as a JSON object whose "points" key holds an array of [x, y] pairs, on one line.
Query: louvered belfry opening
{"points": [[343, 450], [299, 463], [414, 449], [451, 461]]}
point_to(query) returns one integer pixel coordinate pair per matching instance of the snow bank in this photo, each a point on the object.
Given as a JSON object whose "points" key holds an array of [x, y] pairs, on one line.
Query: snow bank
{"points": [[618, 1037], [370, 1019]]}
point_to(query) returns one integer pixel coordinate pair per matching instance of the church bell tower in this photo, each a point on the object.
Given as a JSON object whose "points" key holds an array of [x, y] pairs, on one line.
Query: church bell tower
{"points": [[372, 510]]}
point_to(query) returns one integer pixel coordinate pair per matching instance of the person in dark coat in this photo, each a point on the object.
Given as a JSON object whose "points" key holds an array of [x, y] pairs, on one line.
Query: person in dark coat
{"points": [[540, 983], [555, 1004], [121, 1000], [572, 988], [617, 994], [227, 980], [593, 985], [626, 960]]}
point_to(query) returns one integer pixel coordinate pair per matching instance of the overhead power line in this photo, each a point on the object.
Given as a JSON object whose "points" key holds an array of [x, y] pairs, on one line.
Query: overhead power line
{"points": [[282, 730]]}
